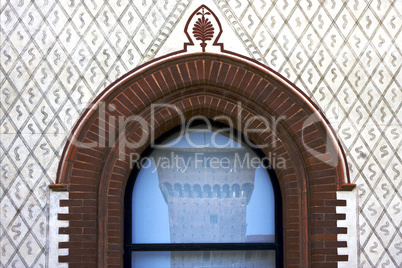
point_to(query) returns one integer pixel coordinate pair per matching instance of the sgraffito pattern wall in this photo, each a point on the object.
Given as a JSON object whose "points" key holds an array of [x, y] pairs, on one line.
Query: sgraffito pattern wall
{"points": [[56, 56]]}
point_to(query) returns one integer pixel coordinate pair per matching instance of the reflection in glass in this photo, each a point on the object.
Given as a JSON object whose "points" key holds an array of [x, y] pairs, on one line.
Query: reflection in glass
{"points": [[210, 259], [203, 187]]}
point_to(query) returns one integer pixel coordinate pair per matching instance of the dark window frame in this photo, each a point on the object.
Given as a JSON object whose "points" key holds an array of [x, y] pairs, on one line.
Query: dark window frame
{"points": [[129, 247]]}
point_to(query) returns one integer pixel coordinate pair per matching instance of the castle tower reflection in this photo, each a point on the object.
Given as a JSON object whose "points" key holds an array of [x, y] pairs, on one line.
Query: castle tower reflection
{"points": [[207, 191]]}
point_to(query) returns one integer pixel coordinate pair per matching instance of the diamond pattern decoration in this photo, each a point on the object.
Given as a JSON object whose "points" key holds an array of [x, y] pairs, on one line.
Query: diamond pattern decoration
{"points": [[325, 50], [56, 56]]}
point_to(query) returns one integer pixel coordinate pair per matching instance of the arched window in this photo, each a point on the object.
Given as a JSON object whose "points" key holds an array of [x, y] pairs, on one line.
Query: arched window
{"points": [[201, 196]]}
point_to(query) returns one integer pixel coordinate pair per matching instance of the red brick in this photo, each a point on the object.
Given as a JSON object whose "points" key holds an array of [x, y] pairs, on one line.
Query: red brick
{"points": [[176, 76], [214, 71], [70, 230], [223, 72], [69, 217], [192, 70], [185, 76], [154, 86], [147, 90]]}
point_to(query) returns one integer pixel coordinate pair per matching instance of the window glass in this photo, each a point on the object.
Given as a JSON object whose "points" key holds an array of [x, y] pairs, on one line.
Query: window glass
{"points": [[202, 187], [219, 258]]}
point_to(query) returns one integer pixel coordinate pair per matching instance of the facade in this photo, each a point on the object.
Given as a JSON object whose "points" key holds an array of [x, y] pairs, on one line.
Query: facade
{"points": [[57, 57]]}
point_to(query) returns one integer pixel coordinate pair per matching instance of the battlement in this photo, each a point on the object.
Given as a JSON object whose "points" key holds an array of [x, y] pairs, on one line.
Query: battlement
{"points": [[207, 191], [206, 172]]}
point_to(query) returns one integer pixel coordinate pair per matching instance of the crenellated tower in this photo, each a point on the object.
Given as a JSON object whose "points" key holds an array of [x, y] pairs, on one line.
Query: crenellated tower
{"points": [[207, 191]]}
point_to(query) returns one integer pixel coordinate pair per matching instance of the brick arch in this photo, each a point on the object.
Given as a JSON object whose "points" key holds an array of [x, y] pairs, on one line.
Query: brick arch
{"points": [[95, 164]]}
